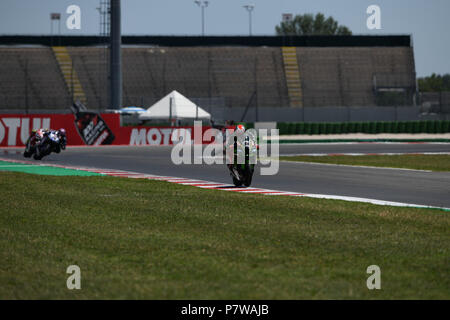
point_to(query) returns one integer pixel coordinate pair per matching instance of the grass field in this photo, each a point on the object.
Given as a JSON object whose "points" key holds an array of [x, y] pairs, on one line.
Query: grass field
{"points": [[141, 239], [407, 161]]}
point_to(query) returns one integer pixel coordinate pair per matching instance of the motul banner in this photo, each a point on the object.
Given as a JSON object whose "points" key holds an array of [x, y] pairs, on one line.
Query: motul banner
{"points": [[89, 128]]}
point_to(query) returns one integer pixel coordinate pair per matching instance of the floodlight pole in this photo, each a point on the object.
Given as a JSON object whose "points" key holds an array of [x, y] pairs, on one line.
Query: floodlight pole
{"points": [[115, 57], [202, 4], [55, 16], [249, 8]]}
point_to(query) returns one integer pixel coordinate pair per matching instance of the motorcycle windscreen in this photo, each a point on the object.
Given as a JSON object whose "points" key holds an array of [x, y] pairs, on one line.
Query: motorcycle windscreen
{"points": [[93, 129]]}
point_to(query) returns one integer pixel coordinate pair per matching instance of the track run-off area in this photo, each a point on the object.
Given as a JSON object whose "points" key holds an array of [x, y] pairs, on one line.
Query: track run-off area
{"points": [[385, 186]]}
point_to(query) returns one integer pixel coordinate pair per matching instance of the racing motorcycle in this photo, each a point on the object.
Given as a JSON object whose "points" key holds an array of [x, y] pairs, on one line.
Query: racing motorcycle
{"points": [[33, 141], [44, 144], [242, 173]]}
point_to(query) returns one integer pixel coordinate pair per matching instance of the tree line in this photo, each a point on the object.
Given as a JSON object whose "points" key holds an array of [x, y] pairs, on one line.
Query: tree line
{"points": [[434, 83], [308, 24]]}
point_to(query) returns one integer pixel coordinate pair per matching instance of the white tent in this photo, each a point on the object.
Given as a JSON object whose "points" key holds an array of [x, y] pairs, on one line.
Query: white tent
{"points": [[174, 106]]}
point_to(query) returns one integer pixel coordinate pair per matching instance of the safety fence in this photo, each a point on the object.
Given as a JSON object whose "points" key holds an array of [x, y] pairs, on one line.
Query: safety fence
{"points": [[374, 127]]}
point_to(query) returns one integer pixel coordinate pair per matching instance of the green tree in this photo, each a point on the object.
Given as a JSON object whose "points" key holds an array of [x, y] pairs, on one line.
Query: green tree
{"points": [[307, 24], [434, 83]]}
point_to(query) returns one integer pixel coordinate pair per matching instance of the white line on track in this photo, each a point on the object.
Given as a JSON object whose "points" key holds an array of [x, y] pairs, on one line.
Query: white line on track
{"points": [[360, 142], [354, 166], [361, 154]]}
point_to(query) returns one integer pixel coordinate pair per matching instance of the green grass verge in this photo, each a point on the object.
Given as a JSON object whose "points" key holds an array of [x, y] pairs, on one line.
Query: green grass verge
{"points": [[138, 239], [407, 161], [42, 169]]}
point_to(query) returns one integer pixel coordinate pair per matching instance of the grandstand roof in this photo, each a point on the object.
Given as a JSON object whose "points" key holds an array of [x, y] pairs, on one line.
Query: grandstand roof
{"points": [[192, 41]]}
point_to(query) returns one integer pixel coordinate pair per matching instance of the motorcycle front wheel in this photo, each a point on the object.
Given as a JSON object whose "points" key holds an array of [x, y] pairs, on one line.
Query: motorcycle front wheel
{"points": [[237, 182], [248, 180], [247, 176]]}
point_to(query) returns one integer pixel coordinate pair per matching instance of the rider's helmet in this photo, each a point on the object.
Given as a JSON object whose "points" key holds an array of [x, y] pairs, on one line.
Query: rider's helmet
{"points": [[240, 129], [62, 132]]}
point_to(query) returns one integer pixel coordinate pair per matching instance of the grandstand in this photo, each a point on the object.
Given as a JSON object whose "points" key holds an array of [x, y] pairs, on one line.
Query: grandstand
{"points": [[30, 78], [231, 72]]}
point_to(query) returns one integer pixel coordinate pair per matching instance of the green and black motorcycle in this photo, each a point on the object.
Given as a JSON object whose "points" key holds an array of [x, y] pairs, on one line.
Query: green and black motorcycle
{"points": [[243, 166]]}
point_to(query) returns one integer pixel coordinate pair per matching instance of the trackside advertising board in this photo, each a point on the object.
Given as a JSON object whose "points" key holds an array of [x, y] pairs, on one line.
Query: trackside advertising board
{"points": [[89, 129]]}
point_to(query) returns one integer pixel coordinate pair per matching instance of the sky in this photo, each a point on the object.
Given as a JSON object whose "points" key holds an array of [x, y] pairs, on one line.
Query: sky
{"points": [[426, 21]]}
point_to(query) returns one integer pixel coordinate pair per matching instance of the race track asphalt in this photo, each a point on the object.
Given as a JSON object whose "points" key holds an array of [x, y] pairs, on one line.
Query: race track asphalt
{"points": [[407, 186]]}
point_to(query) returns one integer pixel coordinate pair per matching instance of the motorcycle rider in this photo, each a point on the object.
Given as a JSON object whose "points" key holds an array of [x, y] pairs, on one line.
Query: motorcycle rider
{"points": [[61, 133], [41, 133], [33, 141], [44, 135], [241, 144], [239, 131]]}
